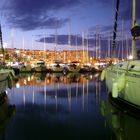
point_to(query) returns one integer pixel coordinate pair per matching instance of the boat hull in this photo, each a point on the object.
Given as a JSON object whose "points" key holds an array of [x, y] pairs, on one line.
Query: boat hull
{"points": [[131, 89], [39, 69], [6, 79], [4, 75]]}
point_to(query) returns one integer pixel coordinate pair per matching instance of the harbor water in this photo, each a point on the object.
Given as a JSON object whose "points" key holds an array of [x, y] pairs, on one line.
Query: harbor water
{"points": [[65, 107]]}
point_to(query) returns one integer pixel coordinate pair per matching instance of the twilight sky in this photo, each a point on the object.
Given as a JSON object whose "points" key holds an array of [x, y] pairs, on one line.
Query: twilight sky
{"points": [[28, 23]]}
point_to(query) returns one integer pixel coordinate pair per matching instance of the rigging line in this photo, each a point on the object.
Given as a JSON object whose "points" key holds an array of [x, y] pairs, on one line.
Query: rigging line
{"points": [[115, 27]]}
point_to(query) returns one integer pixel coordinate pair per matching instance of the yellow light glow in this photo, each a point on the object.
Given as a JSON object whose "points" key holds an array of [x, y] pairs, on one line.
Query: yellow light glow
{"points": [[29, 79], [25, 82], [17, 85], [32, 65], [130, 57], [17, 51]]}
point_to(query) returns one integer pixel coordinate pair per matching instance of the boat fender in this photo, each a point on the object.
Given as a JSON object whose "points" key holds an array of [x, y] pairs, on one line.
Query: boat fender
{"points": [[121, 82], [115, 90], [103, 75]]}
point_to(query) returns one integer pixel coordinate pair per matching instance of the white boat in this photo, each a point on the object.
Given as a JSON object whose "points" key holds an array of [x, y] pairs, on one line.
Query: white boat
{"points": [[3, 74], [40, 66], [74, 67], [58, 67], [6, 76], [21, 67], [3, 85], [123, 79], [27, 68]]}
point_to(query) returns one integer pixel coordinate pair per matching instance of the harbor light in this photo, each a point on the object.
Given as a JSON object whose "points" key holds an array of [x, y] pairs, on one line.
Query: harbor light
{"points": [[130, 57], [25, 82], [29, 79], [69, 61], [17, 51], [17, 85]]}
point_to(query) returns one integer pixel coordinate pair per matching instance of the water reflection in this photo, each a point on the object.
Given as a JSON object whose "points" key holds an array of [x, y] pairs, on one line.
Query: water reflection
{"points": [[6, 112], [39, 78], [57, 106], [56, 89], [124, 126]]}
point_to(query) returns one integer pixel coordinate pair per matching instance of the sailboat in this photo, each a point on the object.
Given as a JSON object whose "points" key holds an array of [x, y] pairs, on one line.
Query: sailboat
{"points": [[5, 73], [123, 78]]}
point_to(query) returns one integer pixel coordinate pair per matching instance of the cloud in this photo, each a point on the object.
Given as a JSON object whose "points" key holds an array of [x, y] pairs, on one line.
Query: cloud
{"points": [[64, 40], [40, 14], [35, 14], [29, 22], [101, 29]]}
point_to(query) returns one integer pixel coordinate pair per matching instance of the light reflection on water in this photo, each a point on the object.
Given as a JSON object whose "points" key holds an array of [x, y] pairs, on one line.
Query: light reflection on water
{"points": [[58, 107], [41, 89]]}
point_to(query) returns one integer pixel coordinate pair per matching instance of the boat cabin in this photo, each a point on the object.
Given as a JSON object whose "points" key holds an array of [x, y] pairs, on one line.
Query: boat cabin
{"points": [[40, 62], [135, 31]]}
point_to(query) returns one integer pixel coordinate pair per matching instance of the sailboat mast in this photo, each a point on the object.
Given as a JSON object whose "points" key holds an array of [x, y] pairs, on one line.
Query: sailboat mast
{"points": [[69, 39], [96, 44], [99, 46], [108, 52], [23, 45], [76, 49], [122, 42], [44, 46], [87, 49], [83, 43], [127, 52], [115, 28], [134, 54], [56, 41], [33, 49], [2, 48]]}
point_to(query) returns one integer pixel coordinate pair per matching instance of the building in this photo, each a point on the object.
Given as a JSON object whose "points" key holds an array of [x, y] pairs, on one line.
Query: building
{"points": [[65, 56]]}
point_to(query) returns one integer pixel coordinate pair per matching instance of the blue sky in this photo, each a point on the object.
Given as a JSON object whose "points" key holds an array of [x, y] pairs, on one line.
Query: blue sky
{"points": [[33, 19]]}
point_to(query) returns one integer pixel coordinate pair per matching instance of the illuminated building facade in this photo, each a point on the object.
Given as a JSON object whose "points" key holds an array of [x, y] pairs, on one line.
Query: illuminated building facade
{"points": [[65, 56]]}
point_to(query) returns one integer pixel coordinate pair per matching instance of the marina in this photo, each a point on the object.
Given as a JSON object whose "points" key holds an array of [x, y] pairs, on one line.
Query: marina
{"points": [[67, 73]]}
